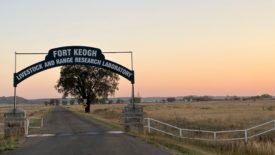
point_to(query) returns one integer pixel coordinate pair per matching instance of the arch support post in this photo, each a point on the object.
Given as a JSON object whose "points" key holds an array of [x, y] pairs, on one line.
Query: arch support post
{"points": [[14, 91], [133, 115], [133, 96], [14, 119], [14, 100]]}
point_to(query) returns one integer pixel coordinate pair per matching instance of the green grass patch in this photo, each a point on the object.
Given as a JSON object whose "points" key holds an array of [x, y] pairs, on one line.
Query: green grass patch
{"points": [[7, 144], [35, 122]]}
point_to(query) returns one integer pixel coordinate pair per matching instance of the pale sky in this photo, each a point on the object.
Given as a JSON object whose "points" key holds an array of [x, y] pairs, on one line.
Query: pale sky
{"points": [[181, 47]]}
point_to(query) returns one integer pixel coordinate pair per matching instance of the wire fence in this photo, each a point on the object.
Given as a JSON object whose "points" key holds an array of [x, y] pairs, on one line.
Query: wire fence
{"points": [[154, 125]]}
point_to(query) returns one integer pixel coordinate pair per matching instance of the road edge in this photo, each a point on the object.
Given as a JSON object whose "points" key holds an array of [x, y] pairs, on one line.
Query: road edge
{"points": [[168, 147]]}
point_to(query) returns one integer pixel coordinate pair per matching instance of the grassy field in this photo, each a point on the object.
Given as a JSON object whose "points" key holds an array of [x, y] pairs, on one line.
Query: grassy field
{"points": [[214, 115], [36, 111], [31, 110]]}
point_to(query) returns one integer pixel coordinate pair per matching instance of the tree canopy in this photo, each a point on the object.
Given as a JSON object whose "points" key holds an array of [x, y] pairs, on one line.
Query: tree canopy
{"points": [[87, 82]]}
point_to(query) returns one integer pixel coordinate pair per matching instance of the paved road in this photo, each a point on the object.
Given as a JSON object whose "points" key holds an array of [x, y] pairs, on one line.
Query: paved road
{"points": [[68, 134]]}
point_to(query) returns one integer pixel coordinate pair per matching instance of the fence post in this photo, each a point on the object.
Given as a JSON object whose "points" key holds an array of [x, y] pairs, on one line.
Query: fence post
{"points": [[149, 125], [27, 127], [180, 132], [215, 136], [245, 136], [42, 122]]}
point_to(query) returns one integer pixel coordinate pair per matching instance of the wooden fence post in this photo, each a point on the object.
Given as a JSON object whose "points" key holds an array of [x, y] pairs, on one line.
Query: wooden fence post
{"points": [[245, 136], [149, 125], [42, 122]]}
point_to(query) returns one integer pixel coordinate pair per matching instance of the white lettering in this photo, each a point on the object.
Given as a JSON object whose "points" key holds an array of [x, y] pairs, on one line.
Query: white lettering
{"points": [[85, 52], [87, 61], [54, 53], [29, 71], [49, 63], [64, 61], [117, 68], [62, 53]]}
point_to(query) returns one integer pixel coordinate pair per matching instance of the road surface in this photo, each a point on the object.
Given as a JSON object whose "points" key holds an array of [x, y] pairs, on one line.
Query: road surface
{"points": [[65, 133]]}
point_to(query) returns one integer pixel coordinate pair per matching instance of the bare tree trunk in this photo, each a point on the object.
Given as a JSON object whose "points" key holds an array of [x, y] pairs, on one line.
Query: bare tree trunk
{"points": [[88, 106]]}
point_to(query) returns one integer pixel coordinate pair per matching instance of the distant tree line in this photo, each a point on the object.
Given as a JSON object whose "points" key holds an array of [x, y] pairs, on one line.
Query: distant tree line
{"points": [[56, 102], [163, 100], [209, 98], [188, 99], [253, 98]]}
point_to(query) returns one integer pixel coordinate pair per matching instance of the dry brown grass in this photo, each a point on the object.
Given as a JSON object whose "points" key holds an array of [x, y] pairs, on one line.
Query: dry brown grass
{"points": [[31, 110], [214, 115]]}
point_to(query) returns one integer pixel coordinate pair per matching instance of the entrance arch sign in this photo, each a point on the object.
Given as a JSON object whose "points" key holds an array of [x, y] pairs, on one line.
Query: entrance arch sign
{"points": [[82, 55], [73, 55]]}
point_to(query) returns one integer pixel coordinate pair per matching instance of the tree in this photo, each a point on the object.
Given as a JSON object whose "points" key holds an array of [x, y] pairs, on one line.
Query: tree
{"points": [[266, 96], [87, 82], [118, 101], [57, 102], [110, 101], [136, 100], [52, 101], [171, 99], [72, 102], [80, 101], [46, 103], [64, 102]]}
